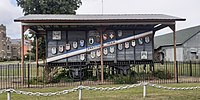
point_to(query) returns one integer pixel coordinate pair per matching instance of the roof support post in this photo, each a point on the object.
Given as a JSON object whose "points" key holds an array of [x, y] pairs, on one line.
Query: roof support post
{"points": [[173, 28], [23, 29], [101, 30], [36, 55]]}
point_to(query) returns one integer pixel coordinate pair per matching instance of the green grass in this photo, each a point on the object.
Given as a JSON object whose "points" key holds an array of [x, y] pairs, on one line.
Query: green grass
{"points": [[129, 94]]}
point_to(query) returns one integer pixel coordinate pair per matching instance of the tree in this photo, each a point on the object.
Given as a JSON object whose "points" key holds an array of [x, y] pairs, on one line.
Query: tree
{"points": [[49, 6]]}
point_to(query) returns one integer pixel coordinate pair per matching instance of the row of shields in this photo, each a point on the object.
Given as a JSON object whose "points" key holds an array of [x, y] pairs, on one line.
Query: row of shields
{"points": [[120, 46]]}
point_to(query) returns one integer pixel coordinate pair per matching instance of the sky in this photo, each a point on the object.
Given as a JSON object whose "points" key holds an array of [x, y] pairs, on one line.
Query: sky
{"points": [[188, 9]]}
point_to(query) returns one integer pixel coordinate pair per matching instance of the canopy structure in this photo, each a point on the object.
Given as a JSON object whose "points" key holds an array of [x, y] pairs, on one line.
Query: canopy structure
{"points": [[40, 23]]}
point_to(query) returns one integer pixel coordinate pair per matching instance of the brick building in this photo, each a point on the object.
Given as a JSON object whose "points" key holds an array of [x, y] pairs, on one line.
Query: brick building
{"points": [[8, 49]]}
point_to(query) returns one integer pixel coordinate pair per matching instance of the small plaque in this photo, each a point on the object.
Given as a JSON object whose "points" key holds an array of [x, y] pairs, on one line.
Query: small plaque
{"points": [[111, 35], [56, 35], [98, 53], [92, 54], [120, 46], [97, 38], [127, 45], [147, 39], [112, 49], [119, 33], [140, 41], [105, 51], [68, 46], [75, 45], [53, 50], [105, 36], [82, 57], [82, 43], [133, 43], [91, 40], [143, 55], [61, 48]]}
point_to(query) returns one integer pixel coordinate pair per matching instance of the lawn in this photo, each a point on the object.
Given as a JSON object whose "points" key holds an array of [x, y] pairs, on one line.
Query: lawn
{"points": [[129, 94]]}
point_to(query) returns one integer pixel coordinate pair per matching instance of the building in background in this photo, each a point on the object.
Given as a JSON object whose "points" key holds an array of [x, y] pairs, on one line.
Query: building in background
{"points": [[3, 38], [188, 45], [10, 48], [16, 50]]}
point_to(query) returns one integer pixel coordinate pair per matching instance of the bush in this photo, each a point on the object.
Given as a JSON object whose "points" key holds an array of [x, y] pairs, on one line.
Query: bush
{"points": [[61, 77], [35, 80], [162, 74], [121, 79]]}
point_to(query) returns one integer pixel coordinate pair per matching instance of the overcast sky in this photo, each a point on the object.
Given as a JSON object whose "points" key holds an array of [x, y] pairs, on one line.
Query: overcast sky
{"points": [[188, 9]]}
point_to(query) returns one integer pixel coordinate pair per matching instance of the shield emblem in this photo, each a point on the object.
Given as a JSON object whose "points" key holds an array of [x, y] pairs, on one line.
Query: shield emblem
{"points": [[112, 49], [133, 43], [105, 51], [126, 45], [98, 53], [120, 46], [143, 55], [97, 38], [147, 39], [60, 48], [91, 40], [82, 43], [82, 57], [75, 45], [92, 54], [67, 46], [140, 41], [105, 36], [119, 33], [112, 35], [53, 50]]}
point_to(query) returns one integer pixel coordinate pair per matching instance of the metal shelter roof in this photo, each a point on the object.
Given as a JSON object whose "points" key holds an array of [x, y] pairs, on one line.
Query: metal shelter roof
{"points": [[97, 18]]}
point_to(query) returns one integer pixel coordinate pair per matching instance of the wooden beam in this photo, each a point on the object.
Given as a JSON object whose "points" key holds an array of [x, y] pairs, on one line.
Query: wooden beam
{"points": [[160, 27]]}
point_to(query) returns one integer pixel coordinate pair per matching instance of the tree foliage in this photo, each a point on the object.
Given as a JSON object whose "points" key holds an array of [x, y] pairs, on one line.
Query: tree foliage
{"points": [[49, 6]]}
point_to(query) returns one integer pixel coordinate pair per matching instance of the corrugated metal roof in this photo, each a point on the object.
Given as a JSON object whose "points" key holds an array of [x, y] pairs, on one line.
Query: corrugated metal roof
{"points": [[181, 37], [35, 17]]}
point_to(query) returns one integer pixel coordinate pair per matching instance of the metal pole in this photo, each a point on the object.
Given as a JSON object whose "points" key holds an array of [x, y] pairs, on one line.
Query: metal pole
{"points": [[80, 93], [28, 75], [144, 90], [8, 95]]}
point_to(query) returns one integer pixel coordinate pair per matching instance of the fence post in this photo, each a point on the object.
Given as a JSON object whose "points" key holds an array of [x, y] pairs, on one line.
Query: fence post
{"points": [[28, 75], [190, 68], [177, 71], [80, 93], [8, 95], [144, 90]]}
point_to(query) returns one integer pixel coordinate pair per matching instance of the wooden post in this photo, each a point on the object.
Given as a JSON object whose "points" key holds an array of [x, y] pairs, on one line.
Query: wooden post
{"points": [[102, 67], [22, 54], [36, 55], [174, 42], [101, 29], [24, 28]]}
